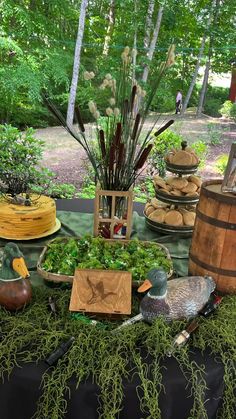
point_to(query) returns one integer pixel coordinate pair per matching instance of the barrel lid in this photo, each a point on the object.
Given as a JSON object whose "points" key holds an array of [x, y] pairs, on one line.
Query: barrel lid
{"points": [[212, 189]]}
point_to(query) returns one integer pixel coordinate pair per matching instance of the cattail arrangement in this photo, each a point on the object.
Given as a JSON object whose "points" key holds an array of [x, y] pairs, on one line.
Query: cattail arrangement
{"points": [[119, 155]]}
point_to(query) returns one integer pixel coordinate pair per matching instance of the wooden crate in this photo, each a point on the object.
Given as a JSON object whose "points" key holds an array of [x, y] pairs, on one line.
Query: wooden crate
{"points": [[110, 221], [101, 291]]}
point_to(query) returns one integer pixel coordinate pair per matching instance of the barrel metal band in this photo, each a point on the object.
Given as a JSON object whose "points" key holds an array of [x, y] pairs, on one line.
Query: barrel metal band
{"points": [[226, 199], [210, 268], [217, 223]]}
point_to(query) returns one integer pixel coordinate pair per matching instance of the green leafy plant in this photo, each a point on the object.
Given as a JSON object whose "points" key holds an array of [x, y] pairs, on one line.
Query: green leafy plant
{"points": [[226, 108], [56, 190], [63, 256], [20, 154], [20, 172], [143, 190], [214, 134], [221, 163]]}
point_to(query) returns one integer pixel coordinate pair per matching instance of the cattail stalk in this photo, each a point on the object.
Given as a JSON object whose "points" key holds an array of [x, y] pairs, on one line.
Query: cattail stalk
{"points": [[102, 143], [142, 159], [79, 119], [162, 129], [136, 125], [117, 137], [112, 157], [132, 98]]}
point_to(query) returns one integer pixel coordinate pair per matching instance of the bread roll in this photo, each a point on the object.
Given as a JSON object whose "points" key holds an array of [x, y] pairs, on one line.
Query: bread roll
{"points": [[158, 215], [174, 218], [182, 158], [189, 218], [191, 187]]}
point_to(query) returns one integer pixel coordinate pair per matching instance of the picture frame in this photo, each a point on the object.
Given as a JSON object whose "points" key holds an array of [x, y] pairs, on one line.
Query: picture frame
{"points": [[229, 181]]}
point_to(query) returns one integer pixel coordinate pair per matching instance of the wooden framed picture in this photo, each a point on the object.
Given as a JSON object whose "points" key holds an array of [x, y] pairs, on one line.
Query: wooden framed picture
{"points": [[101, 291], [229, 181]]}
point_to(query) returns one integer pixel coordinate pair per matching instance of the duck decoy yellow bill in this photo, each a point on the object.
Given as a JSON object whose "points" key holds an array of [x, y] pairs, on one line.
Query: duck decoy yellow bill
{"points": [[20, 267], [145, 286]]}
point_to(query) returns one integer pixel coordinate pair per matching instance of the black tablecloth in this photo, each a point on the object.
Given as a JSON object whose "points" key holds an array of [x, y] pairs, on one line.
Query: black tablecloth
{"points": [[19, 394]]}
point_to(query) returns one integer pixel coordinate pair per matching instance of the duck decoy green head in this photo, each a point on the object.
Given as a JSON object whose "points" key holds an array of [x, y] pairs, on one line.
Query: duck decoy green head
{"points": [[156, 281], [13, 259]]}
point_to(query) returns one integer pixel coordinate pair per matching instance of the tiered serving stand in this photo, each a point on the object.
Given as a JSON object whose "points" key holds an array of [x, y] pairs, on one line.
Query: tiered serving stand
{"points": [[177, 201]]}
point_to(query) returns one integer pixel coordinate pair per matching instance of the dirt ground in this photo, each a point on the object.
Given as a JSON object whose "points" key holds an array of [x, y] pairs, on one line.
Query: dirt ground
{"points": [[64, 156]]}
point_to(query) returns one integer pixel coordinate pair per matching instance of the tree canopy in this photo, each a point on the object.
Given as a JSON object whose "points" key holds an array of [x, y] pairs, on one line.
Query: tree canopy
{"points": [[37, 43]]}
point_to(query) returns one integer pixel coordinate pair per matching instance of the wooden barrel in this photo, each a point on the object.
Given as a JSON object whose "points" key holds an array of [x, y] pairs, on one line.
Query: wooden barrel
{"points": [[213, 248]]}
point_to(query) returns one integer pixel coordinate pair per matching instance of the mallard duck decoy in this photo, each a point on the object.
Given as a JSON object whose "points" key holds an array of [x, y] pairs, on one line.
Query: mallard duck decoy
{"points": [[15, 287], [180, 298]]}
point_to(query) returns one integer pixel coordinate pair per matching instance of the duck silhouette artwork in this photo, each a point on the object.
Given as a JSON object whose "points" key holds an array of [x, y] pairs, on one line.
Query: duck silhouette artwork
{"points": [[15, 287], [176, 299], [98, 292]]}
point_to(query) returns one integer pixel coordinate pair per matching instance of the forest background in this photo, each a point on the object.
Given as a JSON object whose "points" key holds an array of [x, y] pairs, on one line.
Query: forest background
{"points": [[41, 41], [37, 45]]}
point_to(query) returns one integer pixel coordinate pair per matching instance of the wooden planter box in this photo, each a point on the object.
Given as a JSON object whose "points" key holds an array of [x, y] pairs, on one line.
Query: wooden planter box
{"points": [[107, 216], [60, 278]]}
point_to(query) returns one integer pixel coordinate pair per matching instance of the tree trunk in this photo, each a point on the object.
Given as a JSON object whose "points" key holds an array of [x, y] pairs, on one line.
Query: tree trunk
{"points": [[204, 87], [135, 43], [208, 63], [195, 74], [148, 23], [75, 75], [111, 20], [232, 90], [153, 43]]}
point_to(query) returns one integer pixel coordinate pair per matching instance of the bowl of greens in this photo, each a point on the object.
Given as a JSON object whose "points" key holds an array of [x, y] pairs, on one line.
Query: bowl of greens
{"points": [[63, 255]]}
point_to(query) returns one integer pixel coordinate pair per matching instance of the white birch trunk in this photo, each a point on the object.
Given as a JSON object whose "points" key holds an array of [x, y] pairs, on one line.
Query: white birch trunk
{"points": [[204, 87], [134, 44], [148, 23], [195, 74], [208, 64], [153, 43], [111, 20], [75, 74]]}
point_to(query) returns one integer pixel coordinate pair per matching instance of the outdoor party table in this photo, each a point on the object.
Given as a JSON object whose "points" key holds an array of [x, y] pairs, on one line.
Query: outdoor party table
{"points": [[19, 394]]}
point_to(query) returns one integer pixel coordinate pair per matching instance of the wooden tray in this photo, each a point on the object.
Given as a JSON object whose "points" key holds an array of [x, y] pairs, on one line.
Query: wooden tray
{"points": [[58, 278], [180, 169], [168, 229], [173, 199]]}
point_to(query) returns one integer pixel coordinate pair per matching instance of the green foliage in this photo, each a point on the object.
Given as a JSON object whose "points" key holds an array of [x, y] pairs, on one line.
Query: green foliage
{"points": [[63, 256], [226, 108], [221, 163], [37, 48], [214, 98], [20, 153], [214, 134], [201, 150], [144, 190], [54, 189], [211, 107]]}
